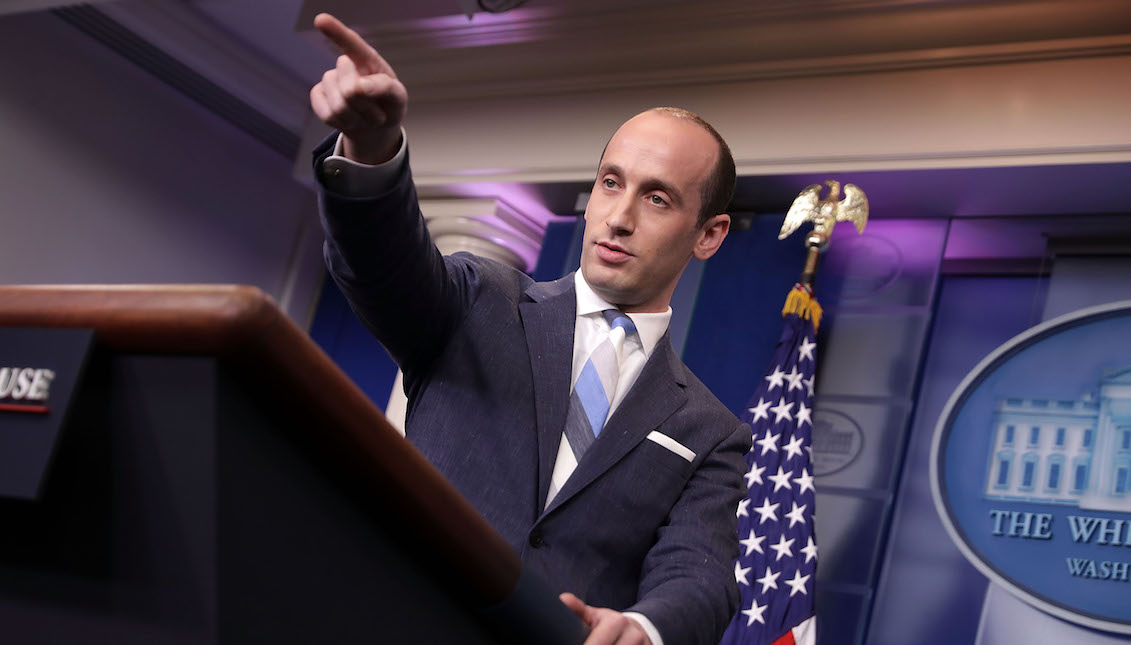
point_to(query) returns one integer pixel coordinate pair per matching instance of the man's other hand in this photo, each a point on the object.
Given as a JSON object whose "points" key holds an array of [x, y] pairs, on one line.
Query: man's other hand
{"points": [[361, 96], [606, 626]]}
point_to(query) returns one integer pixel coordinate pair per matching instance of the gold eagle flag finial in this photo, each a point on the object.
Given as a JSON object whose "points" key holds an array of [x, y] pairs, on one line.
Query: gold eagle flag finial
{"points": [[825, 213]]}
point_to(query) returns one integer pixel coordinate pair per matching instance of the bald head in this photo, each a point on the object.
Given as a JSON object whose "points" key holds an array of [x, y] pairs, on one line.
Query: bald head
{"points": [[718, 185]]}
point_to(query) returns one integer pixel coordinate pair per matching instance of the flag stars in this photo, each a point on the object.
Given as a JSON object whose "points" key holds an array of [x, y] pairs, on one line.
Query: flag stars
{"points": [[754, 613], [769, 442], [805, 351], [759, 411], [781, 411], [810, 549], [740, 573], [784, 547], [754, 476], [797, 584], [805, 482], [794, 377], [782, 424], [804, 415], [793, 448], [776, 379], [781, 480], [767, 511], [797, 515], [754, 543], [769, 581], [742, 506]]}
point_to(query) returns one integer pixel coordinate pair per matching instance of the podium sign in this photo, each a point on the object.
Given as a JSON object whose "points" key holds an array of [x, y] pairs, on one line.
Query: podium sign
{"points": [[39, 369]]}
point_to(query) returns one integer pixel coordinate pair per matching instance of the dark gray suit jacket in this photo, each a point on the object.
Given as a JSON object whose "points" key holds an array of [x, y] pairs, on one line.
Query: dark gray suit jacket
{"points": [[487, 357]]}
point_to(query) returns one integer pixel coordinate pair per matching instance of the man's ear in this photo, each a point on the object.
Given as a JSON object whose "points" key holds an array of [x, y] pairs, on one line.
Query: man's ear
{"points": [[711, 236]]}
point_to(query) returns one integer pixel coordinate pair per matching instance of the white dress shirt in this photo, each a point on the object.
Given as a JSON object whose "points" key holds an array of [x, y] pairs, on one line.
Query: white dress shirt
{"points": [[590, 329], [347, 177]]}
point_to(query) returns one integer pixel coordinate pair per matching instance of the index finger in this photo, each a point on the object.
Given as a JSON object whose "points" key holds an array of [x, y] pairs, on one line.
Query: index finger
{"points": [[578, 606], [367, 60]]}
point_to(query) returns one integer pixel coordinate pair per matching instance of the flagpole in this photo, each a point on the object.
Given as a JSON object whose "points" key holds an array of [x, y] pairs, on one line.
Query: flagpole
{"points": [[801, 300], [809, 273]]}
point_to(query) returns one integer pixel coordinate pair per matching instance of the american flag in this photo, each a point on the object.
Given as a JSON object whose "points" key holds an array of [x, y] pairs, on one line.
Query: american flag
{"points": [[777, 558]]}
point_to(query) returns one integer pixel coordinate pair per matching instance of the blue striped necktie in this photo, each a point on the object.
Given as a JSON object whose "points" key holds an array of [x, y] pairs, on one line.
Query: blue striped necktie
{"points": [[597, 385]]}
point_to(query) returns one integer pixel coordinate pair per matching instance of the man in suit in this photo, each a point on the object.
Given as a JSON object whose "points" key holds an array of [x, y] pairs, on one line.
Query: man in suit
{"points": [[560, 410]]}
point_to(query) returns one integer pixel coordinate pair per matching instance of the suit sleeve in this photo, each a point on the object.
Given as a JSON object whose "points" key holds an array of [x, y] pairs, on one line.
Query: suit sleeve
{"points": [[687, 586], [380, 255]]}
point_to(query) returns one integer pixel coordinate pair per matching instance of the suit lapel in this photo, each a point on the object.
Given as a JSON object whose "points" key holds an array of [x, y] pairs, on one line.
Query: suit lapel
{"points": [[657, 393], [548, 319]]}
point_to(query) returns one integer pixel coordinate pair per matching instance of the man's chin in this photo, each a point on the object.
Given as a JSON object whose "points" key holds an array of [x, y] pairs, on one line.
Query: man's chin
{"points": [[610, 292], [610, 282]]}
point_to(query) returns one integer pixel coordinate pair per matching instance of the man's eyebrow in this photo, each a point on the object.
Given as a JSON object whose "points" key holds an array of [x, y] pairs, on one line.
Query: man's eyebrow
{"points": [[610, 169], [648, 183], [651, 183]]}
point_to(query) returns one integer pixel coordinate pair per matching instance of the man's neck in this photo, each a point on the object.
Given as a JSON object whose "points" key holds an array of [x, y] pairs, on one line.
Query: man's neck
{"points": [[651, 326]]}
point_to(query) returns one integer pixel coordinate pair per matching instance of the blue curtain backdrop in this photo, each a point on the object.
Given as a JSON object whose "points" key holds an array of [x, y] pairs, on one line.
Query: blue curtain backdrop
{"points": [[737, 316]]}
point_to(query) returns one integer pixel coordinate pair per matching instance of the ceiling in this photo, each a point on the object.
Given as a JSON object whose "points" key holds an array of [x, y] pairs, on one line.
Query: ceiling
{"points": [[266, 53], [261, 56]]}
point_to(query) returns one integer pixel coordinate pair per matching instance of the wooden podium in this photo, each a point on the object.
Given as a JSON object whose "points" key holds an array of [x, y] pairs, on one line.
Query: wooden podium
{"points": [[219, 480]]}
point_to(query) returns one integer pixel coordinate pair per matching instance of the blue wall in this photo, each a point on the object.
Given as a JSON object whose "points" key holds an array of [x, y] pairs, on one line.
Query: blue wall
{"points": [[736, 319], [342, 336], [929, 594]]}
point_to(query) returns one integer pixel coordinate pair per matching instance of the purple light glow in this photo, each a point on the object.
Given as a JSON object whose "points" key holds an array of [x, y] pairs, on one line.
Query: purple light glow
{"points": [[481, 18], [994, 238], [485, 29]]}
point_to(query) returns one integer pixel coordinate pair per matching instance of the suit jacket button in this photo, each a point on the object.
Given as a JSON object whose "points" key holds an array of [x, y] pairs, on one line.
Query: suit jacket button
{"points": [[536, 539]]}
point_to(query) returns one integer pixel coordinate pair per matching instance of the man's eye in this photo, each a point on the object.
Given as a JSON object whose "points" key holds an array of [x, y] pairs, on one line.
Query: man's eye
{"points": [[658, 201], [610, 183]]}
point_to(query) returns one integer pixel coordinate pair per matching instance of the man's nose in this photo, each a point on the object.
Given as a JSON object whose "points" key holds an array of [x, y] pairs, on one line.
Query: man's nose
{"points": [[622, 217]]}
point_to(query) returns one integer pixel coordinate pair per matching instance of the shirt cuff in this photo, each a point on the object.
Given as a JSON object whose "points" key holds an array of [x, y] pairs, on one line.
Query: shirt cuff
{"points": [[647, 626], [345, 176]]}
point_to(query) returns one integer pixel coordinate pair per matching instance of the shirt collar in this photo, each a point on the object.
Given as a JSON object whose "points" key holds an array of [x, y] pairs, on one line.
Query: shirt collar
{"points": [[650, 327]]}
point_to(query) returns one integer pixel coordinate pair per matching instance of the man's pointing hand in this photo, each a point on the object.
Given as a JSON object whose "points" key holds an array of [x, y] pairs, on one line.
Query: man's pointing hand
{"points": [[361, 96]]}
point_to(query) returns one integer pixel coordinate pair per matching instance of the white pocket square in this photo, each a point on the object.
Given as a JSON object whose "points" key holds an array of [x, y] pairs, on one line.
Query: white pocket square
{"points": [[672, 445]]}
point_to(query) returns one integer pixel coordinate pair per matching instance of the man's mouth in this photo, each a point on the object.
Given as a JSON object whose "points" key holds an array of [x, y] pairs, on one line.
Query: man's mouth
{"points": [[612, 253]]}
